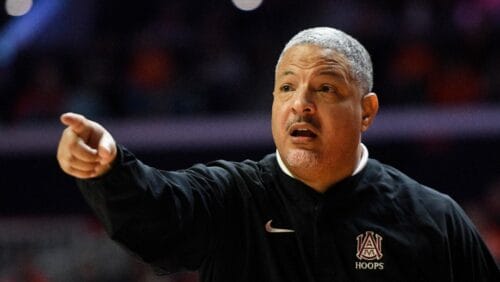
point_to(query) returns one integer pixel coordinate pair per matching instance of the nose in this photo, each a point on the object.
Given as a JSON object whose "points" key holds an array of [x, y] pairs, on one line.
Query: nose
{"points": [[303, 102]]}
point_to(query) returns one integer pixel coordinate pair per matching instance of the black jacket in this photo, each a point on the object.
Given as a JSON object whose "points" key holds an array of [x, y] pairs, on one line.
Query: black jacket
{"points": [[248, 221]]}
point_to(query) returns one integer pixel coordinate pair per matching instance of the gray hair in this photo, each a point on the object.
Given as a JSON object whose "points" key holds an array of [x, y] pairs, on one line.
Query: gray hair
{"points": [[334, 39]]}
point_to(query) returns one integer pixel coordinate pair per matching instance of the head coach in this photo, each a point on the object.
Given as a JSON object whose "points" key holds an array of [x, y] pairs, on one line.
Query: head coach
{"points": [[318, 209]]}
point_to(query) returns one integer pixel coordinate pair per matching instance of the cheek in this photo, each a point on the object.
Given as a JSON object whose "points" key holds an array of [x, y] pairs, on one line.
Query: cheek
{"points": [[279, 117], [344, 120], [276, 121], [278, 112]]}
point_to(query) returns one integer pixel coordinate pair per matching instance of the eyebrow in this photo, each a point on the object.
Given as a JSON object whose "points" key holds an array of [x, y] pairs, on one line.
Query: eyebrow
{"points": [[338, 74], [287, 72], [334, 73], [330, 72], [341, 79]]}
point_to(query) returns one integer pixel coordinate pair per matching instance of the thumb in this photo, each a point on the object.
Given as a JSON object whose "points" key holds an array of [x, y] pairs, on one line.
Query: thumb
{"points": [[106, 149], [78, 123]]}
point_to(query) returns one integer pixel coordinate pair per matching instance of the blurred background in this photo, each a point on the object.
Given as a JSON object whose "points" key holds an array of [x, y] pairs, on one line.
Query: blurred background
{"points": [[181, 82]]}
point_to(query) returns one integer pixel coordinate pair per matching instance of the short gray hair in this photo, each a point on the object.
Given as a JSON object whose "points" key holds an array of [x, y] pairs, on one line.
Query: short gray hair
{"points": [[334, 39]]}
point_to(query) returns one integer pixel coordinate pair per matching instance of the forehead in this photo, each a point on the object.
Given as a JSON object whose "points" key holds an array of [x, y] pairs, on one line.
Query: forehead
{"points": [[310, 56]]}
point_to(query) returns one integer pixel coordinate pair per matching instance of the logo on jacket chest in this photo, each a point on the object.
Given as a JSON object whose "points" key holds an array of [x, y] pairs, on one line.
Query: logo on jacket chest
{"points": [[369, 251]]}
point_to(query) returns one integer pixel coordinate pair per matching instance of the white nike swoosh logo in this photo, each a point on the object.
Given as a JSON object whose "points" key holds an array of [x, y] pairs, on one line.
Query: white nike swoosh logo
{"points": [[271, 229]]}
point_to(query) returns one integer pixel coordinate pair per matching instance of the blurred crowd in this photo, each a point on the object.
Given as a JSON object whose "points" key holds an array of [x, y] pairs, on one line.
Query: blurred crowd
{"points": [[484, 211], [164, 58], [68, 248]]}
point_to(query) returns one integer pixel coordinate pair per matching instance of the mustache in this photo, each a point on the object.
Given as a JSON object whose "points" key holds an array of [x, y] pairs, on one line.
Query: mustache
{"points": [[302, 119]]}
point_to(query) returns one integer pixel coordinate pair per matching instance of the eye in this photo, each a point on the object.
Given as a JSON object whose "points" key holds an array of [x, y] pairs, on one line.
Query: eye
{"points": [[326, 88], [286, 88]]}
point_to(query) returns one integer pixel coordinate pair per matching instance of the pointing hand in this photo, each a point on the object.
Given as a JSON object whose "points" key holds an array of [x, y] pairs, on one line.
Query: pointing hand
{"points": [[86, 149]]}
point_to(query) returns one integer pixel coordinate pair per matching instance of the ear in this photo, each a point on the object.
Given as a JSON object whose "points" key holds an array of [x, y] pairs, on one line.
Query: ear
{"points": [[369, 104]]}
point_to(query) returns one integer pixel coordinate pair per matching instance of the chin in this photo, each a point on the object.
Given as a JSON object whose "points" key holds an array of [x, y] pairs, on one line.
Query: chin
{"points": [[300, 158]]}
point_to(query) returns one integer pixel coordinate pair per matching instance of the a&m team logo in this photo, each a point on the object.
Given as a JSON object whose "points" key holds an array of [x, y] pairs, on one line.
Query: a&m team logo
{"points": [[369, 251]]}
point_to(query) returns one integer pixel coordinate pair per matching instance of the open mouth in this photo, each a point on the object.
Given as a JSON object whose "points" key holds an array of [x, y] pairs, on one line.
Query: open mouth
{"points": [[303, 133]]}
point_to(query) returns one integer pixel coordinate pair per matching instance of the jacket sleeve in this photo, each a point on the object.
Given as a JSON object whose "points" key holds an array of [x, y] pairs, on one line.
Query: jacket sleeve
{"points": [[169, 219]]}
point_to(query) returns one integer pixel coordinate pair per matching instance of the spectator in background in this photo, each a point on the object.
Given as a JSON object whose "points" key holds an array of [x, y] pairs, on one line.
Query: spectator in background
{"points": [[456, 84], [150, 74], [410, 71], [448, 25]]}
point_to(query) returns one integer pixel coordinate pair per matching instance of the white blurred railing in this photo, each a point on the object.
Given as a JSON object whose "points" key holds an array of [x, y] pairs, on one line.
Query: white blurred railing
{"points": [[173, 133]]}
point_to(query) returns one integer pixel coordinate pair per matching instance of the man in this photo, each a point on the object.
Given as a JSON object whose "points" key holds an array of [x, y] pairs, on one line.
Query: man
{"points": [[316, 210]]}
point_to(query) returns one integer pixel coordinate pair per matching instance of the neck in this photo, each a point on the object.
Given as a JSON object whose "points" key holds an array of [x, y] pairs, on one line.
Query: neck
{"points": [[322, 179]]}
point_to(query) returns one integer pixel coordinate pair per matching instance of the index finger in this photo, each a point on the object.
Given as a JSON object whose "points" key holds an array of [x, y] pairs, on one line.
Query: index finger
{"points": [[78, 123]]}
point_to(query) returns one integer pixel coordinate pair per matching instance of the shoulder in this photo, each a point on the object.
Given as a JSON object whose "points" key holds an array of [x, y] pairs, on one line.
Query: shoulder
{"points": [[441, 230], [236, 173], [241, 168], [412, 197], [396, 181], [425, 209]]}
